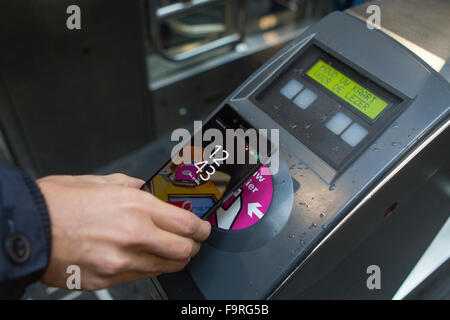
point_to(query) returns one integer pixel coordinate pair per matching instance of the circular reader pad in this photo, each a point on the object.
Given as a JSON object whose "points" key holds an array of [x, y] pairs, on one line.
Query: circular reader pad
{"points": [[247, 205], [254, 213]]}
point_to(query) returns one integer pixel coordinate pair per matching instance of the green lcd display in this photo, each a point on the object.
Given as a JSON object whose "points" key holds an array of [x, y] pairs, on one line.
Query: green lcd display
{"points": [[347, 89]]}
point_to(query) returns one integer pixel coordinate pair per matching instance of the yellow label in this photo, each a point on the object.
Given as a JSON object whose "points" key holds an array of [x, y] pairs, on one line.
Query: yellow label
{"points": [[347, 89]]}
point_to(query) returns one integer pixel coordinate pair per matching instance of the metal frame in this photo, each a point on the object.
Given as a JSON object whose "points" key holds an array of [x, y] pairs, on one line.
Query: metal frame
{"points": [[157, 15], [405, 161]]}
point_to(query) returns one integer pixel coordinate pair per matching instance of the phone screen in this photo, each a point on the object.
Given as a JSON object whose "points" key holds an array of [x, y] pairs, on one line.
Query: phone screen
{"points": [[210, 172]]}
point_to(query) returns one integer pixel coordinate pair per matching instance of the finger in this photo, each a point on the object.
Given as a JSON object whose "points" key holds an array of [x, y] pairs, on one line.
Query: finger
{"points": [[130, 276], [179, 221], [108, 281], [165, 244], [145, 266], [150, 264], [87, 178], [124, 180], [115, 178]]}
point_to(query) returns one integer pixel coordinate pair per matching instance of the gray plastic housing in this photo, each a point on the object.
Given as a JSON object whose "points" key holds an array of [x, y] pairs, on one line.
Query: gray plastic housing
{"points": [[310, 201]]}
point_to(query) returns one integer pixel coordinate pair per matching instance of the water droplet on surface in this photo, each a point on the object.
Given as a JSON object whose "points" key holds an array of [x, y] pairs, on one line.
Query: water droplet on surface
{"points": [[291, 235], [241, 47], [307, 126], [332, 186], [293, 126], [396, 143], [304, 204], [182, 111], [395, 125], [324, 226], [376, 149], [312, 226], [302, 242], [276, 107], [322, 215]]}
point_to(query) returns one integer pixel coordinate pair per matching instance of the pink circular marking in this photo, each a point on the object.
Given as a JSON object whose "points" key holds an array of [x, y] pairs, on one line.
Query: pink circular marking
{"points": [[255, 199]]}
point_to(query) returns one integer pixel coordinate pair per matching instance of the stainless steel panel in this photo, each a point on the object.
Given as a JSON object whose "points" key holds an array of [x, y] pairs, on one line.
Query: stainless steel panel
{"points": [[421, 26]]}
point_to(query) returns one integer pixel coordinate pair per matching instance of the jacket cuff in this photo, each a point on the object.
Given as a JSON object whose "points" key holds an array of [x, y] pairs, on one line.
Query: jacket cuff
{"points": [[42, 211], [25, 232]]}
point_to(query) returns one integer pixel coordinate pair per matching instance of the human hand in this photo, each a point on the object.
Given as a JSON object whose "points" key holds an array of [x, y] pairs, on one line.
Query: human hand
{"points": [[115, 232]]}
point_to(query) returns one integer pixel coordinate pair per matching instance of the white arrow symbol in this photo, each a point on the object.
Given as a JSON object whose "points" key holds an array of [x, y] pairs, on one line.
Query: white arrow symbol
{"points": [[253, 209]]}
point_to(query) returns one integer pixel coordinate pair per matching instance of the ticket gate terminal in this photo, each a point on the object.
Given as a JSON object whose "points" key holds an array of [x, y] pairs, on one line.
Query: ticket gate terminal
{"points": [[363, 175]]}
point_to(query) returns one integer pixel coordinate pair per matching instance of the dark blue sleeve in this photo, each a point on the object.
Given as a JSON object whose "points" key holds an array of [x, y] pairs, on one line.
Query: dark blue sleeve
{"points": [[25, 234]]}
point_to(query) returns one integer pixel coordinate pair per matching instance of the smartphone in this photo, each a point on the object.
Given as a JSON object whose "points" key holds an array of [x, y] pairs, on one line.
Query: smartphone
{"points": [[230, 151]]}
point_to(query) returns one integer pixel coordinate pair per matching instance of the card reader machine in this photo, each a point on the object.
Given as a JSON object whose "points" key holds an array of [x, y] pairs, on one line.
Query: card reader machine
{"points": [[363, 130]]}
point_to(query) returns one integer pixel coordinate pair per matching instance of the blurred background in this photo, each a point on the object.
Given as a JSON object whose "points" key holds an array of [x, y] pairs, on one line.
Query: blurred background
{"points": [[74, 101]]}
